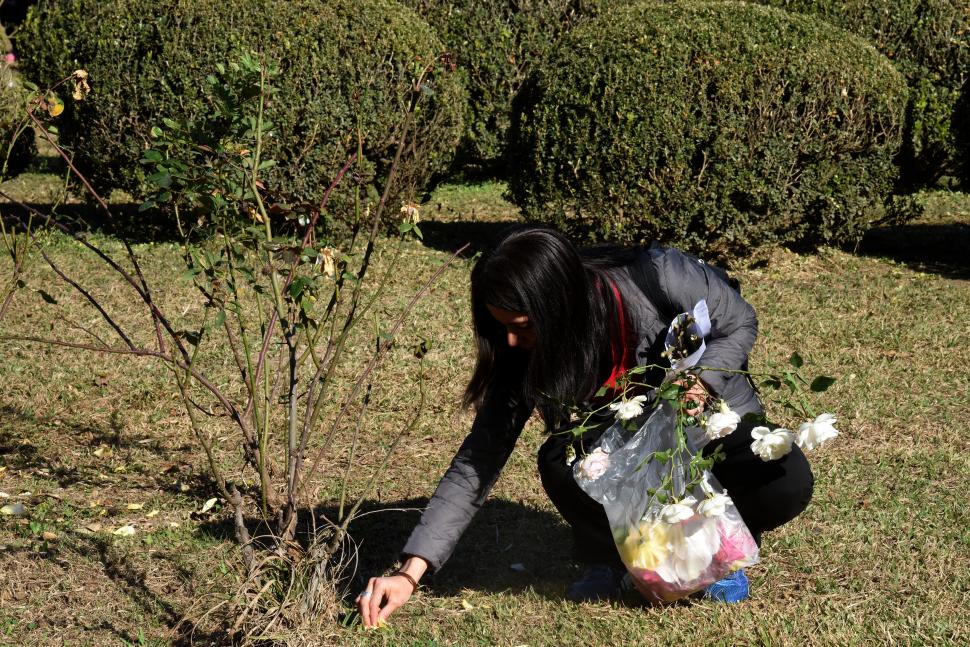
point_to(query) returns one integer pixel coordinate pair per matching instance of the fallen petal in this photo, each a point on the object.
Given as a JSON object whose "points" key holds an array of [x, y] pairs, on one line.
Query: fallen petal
{"points": [[13, 509]]}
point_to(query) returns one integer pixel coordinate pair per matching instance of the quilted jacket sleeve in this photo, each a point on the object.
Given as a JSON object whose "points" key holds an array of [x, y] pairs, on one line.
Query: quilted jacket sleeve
{"points": [[468, 480]]}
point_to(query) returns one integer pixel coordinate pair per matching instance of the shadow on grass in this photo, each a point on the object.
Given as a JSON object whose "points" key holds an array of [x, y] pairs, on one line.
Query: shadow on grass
{"points": [[942, 249], [132, 580], [503, 533], [28, 444], [125, 222], [449, 236]]}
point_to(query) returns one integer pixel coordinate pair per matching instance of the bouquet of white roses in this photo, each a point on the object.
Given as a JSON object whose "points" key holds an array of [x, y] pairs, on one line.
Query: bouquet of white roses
{"points": [[676, 529], [675, 534]]}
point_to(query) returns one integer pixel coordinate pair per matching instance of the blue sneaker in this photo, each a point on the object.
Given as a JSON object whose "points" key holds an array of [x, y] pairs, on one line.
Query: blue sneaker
{"points": [[733, 588], [599, 582]]}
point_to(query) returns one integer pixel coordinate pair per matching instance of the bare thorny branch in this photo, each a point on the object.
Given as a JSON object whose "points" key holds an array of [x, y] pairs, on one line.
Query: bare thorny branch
{"points": [[278, 328]]}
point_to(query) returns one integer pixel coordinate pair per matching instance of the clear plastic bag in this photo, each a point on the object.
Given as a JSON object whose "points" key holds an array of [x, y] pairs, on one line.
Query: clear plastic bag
{"points": [[673, 539]]}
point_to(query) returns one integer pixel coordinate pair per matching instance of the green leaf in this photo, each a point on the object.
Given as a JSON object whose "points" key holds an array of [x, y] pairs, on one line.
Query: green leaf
{"points": [[146, 205], [298, 286], [162, 180], [822, 383], [156, 132], [170, 123], [796, 360], [670, 392], [151, 156], [219, 319]]}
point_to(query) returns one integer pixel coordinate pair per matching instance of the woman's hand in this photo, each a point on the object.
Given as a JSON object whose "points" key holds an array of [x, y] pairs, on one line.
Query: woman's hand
{"points": [[384, 595], [697, 393]]}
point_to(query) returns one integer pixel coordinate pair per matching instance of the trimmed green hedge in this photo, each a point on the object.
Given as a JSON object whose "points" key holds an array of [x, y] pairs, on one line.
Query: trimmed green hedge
{"points": [[929, 41], [717, 127], [961, 128], [344, 64], [496, 43]]}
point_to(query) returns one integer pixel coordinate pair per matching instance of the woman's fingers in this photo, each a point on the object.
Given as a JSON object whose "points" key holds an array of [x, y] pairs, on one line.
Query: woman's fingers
{"points": [[382, 597], [364, 602], [393, 602]]}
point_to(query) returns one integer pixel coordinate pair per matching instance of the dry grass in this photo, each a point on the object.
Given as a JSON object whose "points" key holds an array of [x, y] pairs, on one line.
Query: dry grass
{"points": [[881, 557]]}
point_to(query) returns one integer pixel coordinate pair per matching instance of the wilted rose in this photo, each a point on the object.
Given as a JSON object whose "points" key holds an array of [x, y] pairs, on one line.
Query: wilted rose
{"points": [[411, 212], [328, 265]]}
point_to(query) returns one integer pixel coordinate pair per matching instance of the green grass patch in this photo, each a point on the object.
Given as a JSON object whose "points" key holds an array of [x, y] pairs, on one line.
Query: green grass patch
{"points": [[881, 556]]}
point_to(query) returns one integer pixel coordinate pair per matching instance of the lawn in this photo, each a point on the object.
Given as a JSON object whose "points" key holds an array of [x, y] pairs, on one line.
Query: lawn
{"points": [[89, 444]]}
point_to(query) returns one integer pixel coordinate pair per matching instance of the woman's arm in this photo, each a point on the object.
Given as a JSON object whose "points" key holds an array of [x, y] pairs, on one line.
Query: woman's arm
{"points": [[469, 478], [459, 495]]}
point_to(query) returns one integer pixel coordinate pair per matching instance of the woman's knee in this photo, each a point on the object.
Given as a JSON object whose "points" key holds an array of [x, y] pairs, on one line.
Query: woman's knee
{"points": [[771, 494], [551, 458], [792, 493]]}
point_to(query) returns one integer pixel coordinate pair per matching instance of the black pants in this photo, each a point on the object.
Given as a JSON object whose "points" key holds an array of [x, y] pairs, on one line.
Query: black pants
{"points": [[767, 494]]}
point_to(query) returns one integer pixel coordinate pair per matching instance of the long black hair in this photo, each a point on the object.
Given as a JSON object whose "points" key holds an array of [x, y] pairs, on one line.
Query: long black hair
{"points": [[567, 296]]}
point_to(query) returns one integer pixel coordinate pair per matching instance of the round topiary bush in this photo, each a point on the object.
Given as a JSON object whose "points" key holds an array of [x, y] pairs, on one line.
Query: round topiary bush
{"points": [[929, 41], [961, 128], [345, 65], [495, 43], [717, 127]]}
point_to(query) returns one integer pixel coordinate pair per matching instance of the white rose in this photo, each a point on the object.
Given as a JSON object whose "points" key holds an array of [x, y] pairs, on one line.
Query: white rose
{"points": [[714, 506], [594, 464], [628, 409], [680, 511], [814, 433], [721, 423], [771, 445]]}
